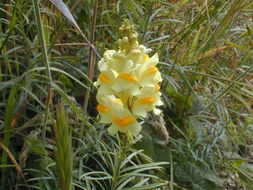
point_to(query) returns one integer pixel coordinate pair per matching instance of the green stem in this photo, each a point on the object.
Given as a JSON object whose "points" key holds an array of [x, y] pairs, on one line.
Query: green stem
{"points": [[7, 131], [46, 59], [42, 38], [116, 173], [119, 159]]}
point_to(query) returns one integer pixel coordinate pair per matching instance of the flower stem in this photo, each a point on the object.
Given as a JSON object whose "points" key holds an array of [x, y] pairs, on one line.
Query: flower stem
{"points": [[118, 161]]}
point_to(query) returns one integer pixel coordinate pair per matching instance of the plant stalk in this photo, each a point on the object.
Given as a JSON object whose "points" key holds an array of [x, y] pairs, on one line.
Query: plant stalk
{"points": [[92, 57], [46, 59]]}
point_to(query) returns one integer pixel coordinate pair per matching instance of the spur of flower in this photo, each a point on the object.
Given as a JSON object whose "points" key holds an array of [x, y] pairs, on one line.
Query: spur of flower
{"points": [[128, 84]]}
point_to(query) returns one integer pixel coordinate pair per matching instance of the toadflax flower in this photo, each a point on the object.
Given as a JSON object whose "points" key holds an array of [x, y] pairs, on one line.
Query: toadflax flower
{"points": [[128, 84]]}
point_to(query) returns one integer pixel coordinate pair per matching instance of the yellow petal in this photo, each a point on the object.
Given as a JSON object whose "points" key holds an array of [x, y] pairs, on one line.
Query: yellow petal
{"points": [[150, 71], [135, 128], [139, 110], [151, 62], [156, 111]]}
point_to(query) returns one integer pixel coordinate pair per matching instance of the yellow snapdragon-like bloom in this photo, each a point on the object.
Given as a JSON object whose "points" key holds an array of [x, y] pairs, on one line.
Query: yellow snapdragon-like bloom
{"points": [[113, 111], [128, 84], [147, 101]]}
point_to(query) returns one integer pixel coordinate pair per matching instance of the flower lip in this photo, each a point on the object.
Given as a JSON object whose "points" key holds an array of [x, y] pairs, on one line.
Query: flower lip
{"points": [[104, 78], [128, 77], [102, 108], [150, 70], [124, 121], [148, 100]]}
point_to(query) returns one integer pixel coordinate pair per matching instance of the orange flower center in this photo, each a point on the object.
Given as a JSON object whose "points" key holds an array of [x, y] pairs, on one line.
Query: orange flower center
{"points": [[149, 100], [128, 77], [102, 108], [124, 121], [104, 78]]}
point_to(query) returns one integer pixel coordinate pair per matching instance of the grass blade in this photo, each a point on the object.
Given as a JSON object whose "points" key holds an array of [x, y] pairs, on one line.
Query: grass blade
{"points": [[60, 5]]}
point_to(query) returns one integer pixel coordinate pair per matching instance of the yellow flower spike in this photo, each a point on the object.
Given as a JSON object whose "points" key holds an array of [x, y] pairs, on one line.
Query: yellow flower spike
{"points": [[104, 78], [127, 84], [102, 108], [128, 77]]}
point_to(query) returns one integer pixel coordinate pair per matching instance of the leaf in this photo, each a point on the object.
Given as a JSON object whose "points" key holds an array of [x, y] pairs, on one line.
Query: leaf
{"points": [[12, 158], [65, 11], [194, 45], [158, 39], [213, 178], [150, 186], [8, 118], [65, 80], [8, 83]]}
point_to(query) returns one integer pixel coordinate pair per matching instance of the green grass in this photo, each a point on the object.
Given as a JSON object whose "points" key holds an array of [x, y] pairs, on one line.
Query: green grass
{"points": [[49, 55]]}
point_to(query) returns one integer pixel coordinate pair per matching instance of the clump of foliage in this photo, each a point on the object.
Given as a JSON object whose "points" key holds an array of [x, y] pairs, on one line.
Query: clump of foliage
{"points": [[50, 135]]}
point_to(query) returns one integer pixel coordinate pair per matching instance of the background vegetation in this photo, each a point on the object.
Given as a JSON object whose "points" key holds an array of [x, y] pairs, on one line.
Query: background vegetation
{"points": [[49, 132]]}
